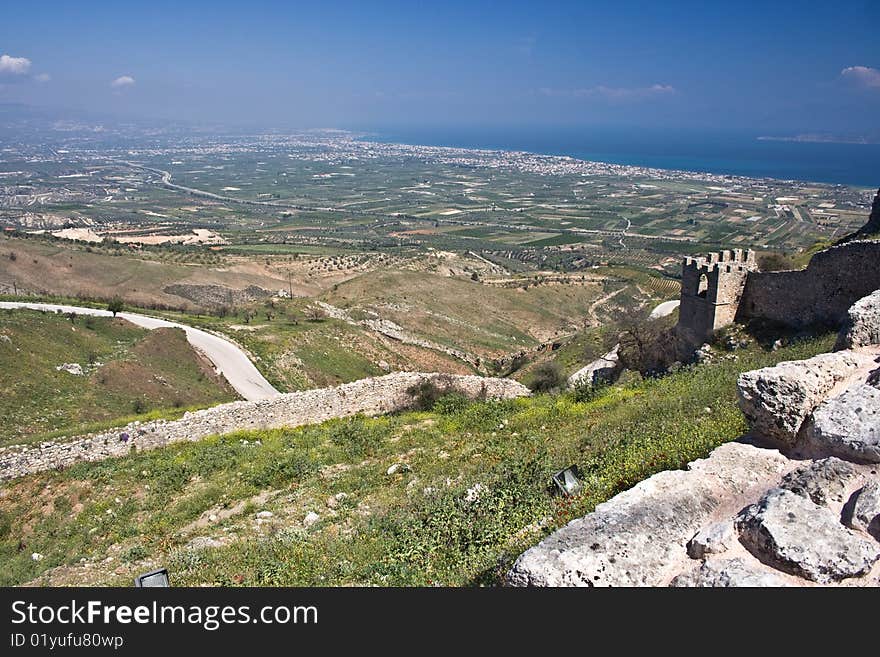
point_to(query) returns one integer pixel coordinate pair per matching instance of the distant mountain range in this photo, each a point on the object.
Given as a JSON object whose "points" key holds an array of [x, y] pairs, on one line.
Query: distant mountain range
{"points": [[820, 138]]}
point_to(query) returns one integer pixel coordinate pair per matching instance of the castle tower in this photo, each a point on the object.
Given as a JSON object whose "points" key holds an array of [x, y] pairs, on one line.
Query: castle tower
{"points": [[711, 289]]}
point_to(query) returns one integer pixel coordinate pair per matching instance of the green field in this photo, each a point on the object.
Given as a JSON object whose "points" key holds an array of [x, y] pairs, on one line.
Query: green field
{"points": [[127, 372], [470, 493]]}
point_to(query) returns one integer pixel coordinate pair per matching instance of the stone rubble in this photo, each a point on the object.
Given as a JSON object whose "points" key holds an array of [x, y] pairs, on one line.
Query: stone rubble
{"points": [[800, 537], [777, 400]]}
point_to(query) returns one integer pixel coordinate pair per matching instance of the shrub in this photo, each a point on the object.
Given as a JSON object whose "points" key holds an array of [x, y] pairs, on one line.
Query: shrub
{"points": [[775, 262], [356, 436], [427, 393], [450, 403], [115, 305], [584, 391], [547, 377], [135, 553]]}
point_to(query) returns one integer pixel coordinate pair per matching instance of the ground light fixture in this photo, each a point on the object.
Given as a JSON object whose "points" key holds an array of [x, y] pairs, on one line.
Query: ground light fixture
{"points": [[568, 481], [154, 578]]}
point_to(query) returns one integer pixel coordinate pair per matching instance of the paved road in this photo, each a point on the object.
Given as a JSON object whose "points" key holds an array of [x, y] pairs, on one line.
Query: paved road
{"points": [[664, 309], [226, 356]]}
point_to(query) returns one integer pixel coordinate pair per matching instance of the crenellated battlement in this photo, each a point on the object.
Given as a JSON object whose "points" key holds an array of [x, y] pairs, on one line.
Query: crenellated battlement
{"points": [[711, 288], [734, 260]]}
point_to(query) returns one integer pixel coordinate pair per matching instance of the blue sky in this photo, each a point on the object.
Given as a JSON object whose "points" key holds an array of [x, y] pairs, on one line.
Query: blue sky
{"points": [[765, 67]]}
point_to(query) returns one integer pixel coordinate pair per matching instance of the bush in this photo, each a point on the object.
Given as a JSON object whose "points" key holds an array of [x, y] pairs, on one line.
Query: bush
{"points": [[135, 553], [427, 393], [649, 347], [450, 404], [547, 377], [584, 391], [357, 436], [775, 262]]}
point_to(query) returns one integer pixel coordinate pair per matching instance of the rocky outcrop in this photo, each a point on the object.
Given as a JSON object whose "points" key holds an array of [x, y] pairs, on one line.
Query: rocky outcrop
{"points": [[848, 425], [862, 326], [800, 537], [863, 510], [638, 537], [371, 396], [823, 481], [749, 514], [727, 573], [777, 400]]}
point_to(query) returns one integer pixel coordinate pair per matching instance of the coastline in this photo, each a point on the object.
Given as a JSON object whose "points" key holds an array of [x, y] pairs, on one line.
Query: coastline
{"points": [[707, 165]]}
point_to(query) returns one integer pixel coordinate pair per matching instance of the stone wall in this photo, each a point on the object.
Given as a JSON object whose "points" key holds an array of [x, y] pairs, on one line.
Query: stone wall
{"points": [[371, 396], [820, 294]]}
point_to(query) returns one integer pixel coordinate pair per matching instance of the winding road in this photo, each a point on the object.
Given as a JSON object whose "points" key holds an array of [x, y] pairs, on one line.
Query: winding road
{"points": [[229, 359], [664, 309]]}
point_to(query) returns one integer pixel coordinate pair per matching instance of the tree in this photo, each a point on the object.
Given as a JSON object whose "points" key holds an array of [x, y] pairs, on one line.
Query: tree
{"points": [[647, 346], [475, 277], [115, 305]]}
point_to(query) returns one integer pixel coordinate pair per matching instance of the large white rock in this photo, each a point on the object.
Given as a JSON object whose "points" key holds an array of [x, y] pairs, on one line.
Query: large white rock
{"points": [[821, 481], [848, 425], [800, 537], [862, 326], [777, 400], [714, 539], [728, 573], [863, 512], [638, 537]]}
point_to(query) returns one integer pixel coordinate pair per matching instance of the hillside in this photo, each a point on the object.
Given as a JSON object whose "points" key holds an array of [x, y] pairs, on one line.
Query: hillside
{"points": [[446, 496], [125, 371]]}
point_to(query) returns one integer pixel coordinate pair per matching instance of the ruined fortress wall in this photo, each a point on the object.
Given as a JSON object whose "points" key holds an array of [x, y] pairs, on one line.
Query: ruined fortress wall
{"points": [[710, 292], [820, 294], [371, 396]]}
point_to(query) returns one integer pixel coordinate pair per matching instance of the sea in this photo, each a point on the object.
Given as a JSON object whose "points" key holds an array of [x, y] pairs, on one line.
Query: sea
{"points": [[734, 153]]}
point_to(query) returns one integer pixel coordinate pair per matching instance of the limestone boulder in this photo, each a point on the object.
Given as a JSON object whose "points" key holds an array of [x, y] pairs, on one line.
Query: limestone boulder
{"points": [[821, 481], [799, 537], [863, 511], [862, 325], [714, 539], [636, 538], [848, 425], [728, 573], [777, 400]]}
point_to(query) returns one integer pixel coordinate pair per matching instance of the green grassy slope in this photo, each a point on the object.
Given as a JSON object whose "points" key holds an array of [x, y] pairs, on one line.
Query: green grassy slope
{"points": [[470, 494], [127, 371]]}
